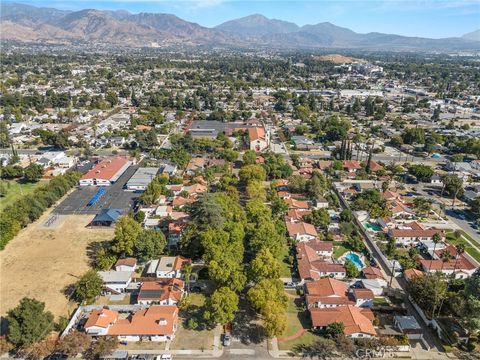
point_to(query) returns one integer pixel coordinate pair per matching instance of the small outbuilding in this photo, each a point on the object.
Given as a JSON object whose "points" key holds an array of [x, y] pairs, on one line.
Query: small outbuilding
{"points": [[106, 217]]}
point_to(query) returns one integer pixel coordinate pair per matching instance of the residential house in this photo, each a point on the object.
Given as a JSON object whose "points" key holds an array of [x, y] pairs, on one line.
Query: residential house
{"points": [[126, 264], [301, 231], [412, 233], [327, 293], [167, 267], [115, 282], [357, 321], [168, 292]]}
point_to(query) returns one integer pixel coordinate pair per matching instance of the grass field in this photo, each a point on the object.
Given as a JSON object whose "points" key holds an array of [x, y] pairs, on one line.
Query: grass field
{"points": [[15, 190], [286, 269], [39, 263], [452, 239], [297, 319], [339, 249]]}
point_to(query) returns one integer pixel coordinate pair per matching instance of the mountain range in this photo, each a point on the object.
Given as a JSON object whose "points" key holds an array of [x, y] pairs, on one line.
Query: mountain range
{"points": [[34, 25]]}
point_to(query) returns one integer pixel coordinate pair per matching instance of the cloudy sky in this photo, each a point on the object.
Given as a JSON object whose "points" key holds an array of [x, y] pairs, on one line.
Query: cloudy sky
{"points": [[428, 18]]}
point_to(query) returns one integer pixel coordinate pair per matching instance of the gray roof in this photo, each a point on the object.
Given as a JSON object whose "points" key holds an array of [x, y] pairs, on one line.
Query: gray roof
{"points": [[115, 276], [142, 177], [407, 323]]}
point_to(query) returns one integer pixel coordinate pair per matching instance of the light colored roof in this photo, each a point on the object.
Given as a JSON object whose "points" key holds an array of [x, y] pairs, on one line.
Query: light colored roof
{"points": [[127, 262], [115, 276], [142, 177]]}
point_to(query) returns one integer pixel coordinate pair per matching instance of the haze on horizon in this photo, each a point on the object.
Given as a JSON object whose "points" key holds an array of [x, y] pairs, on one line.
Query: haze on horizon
{"points": [[427, 18]]}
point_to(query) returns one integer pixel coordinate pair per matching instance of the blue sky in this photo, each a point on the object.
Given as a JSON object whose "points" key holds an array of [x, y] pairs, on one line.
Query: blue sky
{"points": [[428, 18]]}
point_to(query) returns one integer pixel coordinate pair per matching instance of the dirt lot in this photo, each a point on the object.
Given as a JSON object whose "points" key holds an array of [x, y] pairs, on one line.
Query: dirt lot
{"points": [[40, 263]]}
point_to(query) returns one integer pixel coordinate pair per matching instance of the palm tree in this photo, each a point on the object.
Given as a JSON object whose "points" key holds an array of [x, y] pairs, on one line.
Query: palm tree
{"points": [[436, 238], [187, 272]]}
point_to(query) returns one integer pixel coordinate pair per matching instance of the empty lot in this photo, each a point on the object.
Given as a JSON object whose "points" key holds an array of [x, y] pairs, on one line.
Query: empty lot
{"points": [[40, 263]]}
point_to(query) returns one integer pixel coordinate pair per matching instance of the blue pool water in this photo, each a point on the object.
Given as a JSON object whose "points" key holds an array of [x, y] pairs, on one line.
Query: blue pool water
{"points": [[356, 260]]}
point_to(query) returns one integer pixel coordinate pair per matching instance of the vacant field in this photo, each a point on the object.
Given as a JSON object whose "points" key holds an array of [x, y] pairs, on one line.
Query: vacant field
{"points": [[39, 263], [15, 190]]}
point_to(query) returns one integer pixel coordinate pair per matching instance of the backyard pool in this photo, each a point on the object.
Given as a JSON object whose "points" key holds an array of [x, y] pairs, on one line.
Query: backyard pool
{"points": [[374, 227], [355, 258]]}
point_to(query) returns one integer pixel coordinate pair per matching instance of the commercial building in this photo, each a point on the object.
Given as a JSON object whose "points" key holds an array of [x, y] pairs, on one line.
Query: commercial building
{"points": [[141, 179], [106, 172]]}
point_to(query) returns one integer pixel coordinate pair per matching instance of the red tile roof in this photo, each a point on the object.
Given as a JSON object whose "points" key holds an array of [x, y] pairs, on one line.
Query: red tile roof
{"points": [[256, 133], [107, 168], [301, 228], [156, 320], [355, 319], [101, 318]]}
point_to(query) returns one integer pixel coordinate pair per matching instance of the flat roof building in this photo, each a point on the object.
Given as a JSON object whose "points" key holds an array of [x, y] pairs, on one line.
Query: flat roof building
{"points": [[141, 179]]}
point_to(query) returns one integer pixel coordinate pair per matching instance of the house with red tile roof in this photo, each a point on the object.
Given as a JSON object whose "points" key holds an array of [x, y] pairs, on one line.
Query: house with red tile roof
{"points": [[462, 266], [351, 166], [297, 204], [295, 215], [372, 273], [312, 266], [259, 138], [166, 292], [156, 323], [100, 321], [327, 293], [357, 321], [301, 231], [106, 172], [413, 233]]}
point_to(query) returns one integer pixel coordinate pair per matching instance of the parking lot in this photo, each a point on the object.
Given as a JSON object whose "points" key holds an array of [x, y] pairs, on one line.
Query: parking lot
{"points": [[115, 197]]}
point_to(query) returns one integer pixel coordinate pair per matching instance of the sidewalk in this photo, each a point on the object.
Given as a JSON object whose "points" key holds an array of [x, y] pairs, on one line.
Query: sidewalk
{"points": [[215, 353], [275, 352]]}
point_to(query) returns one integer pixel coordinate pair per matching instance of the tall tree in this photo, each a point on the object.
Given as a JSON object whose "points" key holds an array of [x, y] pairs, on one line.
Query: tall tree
{"points": [[28, 322], [221, 306], [126, 232], [88, 287]]}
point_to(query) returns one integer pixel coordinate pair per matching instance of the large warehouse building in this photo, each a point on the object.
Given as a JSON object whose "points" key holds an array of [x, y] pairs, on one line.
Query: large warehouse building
{"points": [[142, 177], [106, 172]]}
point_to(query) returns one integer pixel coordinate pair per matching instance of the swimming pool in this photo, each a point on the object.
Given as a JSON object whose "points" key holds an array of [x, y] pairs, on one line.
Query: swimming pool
{"points": [[355, 259], [374, 227]]}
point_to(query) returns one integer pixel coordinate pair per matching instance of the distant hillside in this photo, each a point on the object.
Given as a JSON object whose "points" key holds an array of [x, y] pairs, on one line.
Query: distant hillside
{"points": [[257, 25], [30, 24], [474, 35]]}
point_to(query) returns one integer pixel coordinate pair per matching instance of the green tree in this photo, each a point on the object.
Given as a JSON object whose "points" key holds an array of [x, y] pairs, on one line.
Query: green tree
{"points": [[421, 172], [127, 231], [428, 291], [252, 172], [28, 323], [351, 271], [265, 291], [104, 260], [264, 266], [33, 173], [221, 306], [250, 157], [274, 319], [334, 330], [150, 244], [318, 218], [88, 287]]}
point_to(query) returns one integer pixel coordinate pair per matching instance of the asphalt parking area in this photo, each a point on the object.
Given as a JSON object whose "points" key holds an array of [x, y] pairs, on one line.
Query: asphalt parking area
{"points": [[115, 197]]}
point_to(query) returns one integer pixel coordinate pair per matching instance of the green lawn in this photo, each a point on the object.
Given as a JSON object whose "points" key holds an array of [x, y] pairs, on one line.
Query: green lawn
{"points": [[286, 268], [380, 301], [339, 249], [460, 240], [15, 190], [297, 319]]}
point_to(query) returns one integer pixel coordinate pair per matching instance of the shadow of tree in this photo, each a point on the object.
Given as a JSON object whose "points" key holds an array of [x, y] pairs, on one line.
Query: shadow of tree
{"points": [[246, 327], [94, 247]]}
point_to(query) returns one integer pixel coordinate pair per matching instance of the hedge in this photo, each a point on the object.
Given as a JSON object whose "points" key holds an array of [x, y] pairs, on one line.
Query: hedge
{"points": [[30, 207]]}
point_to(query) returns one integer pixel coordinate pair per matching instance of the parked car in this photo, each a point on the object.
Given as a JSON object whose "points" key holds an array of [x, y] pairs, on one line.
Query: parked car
{"points": [[227, 339], [289, 285], [164, 357]]}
